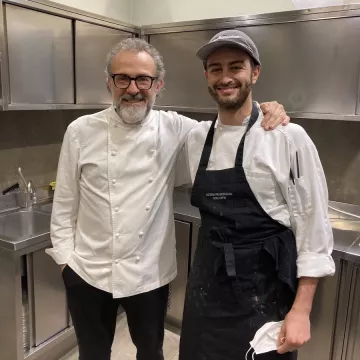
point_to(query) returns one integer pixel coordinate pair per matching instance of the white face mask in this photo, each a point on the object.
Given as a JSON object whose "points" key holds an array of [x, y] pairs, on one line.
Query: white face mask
{"points": [[266, 338]]}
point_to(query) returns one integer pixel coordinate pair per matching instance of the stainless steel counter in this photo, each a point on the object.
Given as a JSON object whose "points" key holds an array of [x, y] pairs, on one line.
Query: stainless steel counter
{"points": [[345, 222], [20, 229]]}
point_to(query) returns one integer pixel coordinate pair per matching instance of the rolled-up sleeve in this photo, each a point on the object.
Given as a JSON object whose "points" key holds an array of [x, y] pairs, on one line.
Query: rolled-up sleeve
{"points": [[66, 200], [307, 197]]}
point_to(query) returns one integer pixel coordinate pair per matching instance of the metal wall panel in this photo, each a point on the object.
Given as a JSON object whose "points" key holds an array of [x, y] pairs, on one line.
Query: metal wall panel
{"points": [[309, 67], [40, 51], [92, 44]]}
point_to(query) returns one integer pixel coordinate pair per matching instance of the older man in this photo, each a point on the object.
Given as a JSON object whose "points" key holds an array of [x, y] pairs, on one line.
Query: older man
{"points": [[265, 235], [112, 225]]}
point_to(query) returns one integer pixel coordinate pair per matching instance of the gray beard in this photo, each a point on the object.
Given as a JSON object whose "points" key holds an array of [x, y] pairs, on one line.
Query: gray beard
{"points": [[134, 114]]}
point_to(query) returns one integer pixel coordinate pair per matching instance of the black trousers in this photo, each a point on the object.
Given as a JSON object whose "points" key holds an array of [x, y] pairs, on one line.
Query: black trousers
{"points": [[94, 313]]}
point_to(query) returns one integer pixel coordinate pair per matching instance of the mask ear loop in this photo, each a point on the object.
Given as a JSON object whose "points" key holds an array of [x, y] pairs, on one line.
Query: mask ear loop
{"points": [[246, 355]]}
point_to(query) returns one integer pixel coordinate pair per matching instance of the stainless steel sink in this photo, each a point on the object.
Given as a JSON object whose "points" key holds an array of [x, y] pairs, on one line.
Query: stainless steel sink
{"points": [[23, 224], [47, 208]]}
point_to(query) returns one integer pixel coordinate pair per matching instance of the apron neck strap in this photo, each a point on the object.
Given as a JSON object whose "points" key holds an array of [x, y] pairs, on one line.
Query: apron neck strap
{"points": [[205, 156], [240, 152]]}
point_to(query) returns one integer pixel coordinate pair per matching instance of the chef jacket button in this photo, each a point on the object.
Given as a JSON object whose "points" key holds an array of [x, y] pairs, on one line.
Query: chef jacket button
{"points": [[113, 153], [114, 181], [117, 235], [117, 261], [116, 209], [147, 208], [141, 234], [137, 259], [152, 128], [151, 180]]}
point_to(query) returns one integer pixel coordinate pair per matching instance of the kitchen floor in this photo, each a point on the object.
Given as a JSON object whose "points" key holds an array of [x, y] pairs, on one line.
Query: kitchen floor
{"points": [[123, 348]]}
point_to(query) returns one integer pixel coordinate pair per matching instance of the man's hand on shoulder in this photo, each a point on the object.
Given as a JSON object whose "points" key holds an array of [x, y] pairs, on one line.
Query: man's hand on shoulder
{"points": [[274, 115]]}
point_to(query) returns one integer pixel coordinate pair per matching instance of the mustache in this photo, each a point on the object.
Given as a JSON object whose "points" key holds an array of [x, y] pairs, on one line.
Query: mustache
{"points": [[233, 85], [137, 97]]}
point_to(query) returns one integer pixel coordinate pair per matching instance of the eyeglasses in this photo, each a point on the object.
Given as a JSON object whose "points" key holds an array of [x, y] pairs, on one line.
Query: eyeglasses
{"points": [[122, 81]]}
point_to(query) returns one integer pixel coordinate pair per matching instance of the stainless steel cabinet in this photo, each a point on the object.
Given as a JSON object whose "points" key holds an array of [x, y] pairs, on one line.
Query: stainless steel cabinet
{"points": [[40, 51], [323, 319], [185, 81], [352, 337], [302, 66], [92, 44], [358, 102], [50, 306], [178, 286]]}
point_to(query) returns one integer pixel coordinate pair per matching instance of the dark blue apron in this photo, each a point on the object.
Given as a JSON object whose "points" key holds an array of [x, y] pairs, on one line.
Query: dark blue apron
{"points": [[244, 270]]}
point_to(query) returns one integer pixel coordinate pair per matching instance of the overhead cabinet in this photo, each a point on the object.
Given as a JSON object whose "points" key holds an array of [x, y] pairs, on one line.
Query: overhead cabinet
{"points": [[303, 67], [53, 58], [92, 44], [40, 57]]}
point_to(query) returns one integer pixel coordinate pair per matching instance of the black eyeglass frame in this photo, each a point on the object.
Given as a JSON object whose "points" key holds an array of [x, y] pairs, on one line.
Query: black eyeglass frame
{"points": [[130, 79]]}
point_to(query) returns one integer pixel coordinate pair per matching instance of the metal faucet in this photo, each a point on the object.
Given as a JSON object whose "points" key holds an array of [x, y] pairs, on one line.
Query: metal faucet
{"points": [[30, 194]]}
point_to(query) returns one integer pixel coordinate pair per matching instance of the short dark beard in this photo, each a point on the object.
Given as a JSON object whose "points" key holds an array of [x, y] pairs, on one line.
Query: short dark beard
{"points": [[233, 104]]}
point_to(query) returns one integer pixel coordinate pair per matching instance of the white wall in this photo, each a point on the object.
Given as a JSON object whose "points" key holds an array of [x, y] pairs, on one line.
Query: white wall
{"points": [[117, 9], [147, 12], [163, 11]]}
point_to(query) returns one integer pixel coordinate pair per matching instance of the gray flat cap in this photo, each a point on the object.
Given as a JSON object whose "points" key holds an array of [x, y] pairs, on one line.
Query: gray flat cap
{"points": [[235, 38]]}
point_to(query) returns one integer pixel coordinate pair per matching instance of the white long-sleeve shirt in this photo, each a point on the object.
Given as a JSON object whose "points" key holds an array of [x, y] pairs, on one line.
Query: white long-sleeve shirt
{"points": [[301, 205], [112, 219]]}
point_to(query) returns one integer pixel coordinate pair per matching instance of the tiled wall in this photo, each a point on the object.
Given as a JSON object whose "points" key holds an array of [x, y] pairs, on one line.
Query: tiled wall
{"points": [[32, 140], [338, 143]]}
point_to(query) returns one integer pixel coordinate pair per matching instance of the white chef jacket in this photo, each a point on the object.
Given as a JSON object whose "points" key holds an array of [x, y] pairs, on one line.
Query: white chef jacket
{"points": [[301, 205], [112, 219]]}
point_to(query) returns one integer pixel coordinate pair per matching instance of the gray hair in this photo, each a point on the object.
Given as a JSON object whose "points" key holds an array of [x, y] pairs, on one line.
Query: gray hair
{"points": [[136, 45]]}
